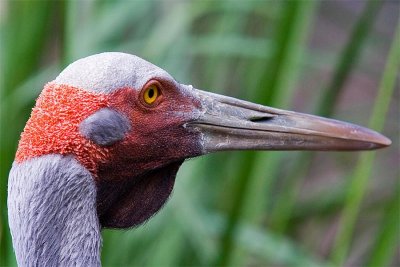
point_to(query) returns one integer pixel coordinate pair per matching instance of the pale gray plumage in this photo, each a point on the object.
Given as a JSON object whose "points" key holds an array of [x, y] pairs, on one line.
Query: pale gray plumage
{"points": [[52, 213], [105, 127], [107, 72]]}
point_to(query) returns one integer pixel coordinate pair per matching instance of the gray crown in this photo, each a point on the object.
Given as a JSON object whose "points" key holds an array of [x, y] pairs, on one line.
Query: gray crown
{"points": [[106, 72]]}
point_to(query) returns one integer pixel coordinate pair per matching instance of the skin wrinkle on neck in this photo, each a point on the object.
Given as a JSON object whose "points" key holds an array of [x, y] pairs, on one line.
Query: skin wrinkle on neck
{"points": [[53, 218]]}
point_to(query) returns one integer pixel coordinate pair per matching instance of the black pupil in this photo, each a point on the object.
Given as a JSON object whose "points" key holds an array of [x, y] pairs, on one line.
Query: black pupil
{"points": [[151, 93]]}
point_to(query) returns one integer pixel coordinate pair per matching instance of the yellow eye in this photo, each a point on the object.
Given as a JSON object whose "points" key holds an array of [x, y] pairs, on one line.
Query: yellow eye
{"points": [[151, 94]]}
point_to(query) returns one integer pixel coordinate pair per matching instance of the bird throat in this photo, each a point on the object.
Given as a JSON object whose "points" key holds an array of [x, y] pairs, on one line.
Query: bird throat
{"points": [[130, 202]]}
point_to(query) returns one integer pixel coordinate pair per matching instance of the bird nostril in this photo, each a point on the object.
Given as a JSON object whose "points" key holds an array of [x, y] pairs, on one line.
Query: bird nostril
{"points": [[261, 119]]}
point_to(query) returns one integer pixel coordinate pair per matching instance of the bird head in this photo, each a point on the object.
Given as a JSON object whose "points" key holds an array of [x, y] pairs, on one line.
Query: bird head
{"points": [[131, 124]]}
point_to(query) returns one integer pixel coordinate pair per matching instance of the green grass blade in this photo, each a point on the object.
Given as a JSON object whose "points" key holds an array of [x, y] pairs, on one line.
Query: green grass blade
{"points": [[274, 89], [348, 59], [203, 226], [387, 239], [23, 36], [359, 180]]}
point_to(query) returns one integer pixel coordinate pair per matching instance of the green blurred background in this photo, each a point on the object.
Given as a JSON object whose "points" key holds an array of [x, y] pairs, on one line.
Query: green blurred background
{"points": [[333, 58]]}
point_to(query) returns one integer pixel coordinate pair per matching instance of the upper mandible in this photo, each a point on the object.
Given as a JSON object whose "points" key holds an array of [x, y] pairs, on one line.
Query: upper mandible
{"points": [[106, 72]]}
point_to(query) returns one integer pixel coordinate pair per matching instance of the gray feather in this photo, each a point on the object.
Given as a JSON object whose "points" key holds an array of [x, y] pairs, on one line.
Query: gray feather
{"points": [[105, 127], [52, 213], [107, 72]]}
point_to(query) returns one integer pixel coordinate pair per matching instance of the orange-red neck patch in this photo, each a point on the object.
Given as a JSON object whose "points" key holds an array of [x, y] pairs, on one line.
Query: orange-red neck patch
{"points": [[54, 125]]}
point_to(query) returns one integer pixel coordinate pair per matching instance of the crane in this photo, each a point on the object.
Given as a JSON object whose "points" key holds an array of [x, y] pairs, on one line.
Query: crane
{"points": [[105, 141]]}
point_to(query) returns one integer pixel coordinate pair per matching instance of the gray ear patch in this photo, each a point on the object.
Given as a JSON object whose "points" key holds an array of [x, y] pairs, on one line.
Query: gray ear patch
{"points": [[105, 127]]}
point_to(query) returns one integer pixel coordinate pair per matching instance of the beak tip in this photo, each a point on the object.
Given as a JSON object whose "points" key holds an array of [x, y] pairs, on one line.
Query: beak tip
{"points": [[379, 141], [370, 138], [384, 141]]}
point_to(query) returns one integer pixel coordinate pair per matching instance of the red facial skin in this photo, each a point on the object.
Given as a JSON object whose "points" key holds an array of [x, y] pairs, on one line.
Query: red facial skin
{"points": [[157, 136], [135, 175]]}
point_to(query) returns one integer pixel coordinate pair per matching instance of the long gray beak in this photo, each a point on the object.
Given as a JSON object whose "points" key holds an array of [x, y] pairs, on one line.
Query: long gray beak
{"points": [[226, 123]]}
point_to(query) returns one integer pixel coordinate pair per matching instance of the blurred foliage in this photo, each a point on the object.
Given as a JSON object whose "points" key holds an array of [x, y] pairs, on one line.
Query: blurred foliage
{"points": [[241, 208]]}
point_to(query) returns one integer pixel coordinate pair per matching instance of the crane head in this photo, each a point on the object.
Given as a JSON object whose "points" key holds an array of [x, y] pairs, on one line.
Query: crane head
{"points": [[131, 124]]}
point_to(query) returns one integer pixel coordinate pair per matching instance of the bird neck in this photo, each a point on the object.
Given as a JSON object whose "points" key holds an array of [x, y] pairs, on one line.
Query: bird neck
{"points": [[52, 213]]}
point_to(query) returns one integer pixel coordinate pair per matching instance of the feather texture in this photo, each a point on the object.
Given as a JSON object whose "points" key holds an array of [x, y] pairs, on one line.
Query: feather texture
{"points": [[52, 213]]}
